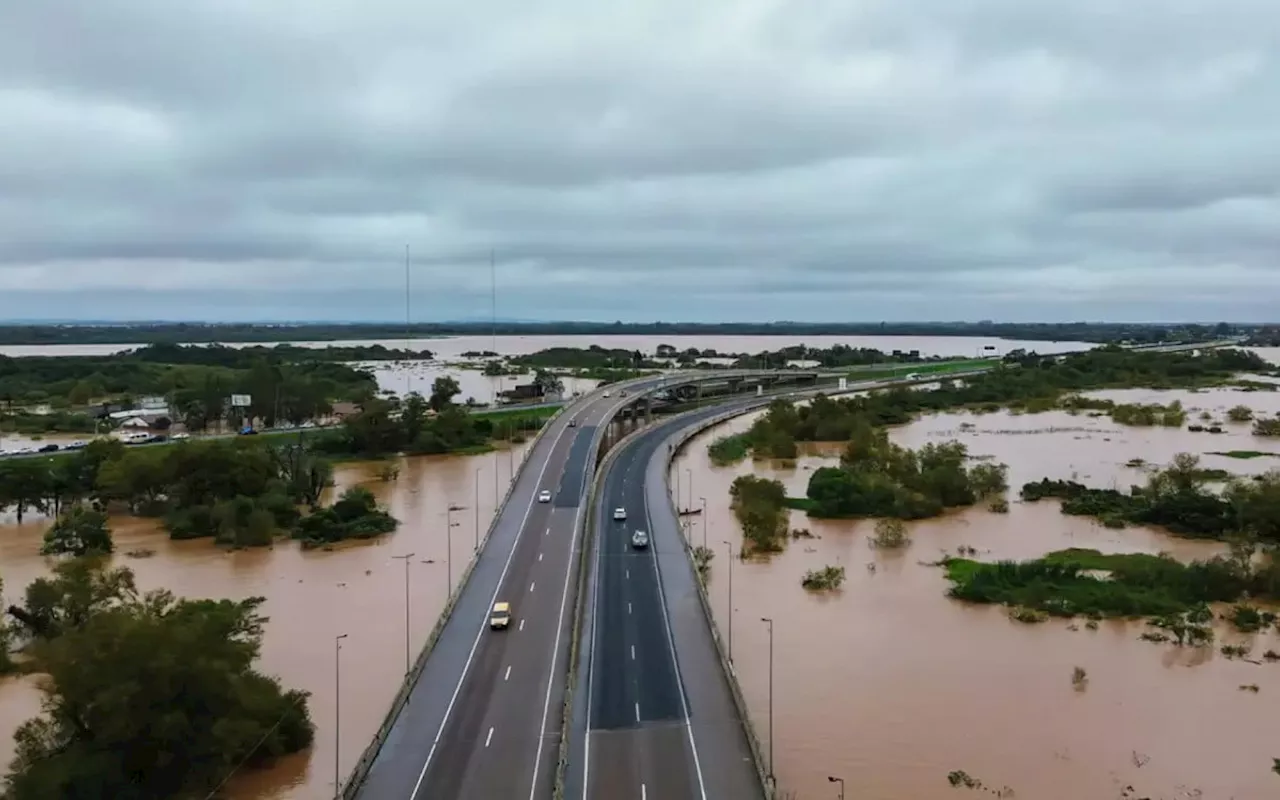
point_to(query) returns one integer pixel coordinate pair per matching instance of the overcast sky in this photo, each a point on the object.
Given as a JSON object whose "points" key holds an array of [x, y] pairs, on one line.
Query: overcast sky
{"points": [[654, 159]]}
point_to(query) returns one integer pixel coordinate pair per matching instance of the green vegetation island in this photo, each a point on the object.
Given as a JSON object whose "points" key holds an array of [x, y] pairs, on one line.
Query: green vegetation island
{"points": [[146, 695], [204, 332]]}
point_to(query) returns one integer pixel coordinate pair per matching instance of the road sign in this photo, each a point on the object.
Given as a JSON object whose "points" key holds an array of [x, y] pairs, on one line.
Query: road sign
{"points": [[241, 401]]}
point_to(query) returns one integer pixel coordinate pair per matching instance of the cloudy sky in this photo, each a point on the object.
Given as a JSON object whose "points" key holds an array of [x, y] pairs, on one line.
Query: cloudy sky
{"points": [[663, 159]]}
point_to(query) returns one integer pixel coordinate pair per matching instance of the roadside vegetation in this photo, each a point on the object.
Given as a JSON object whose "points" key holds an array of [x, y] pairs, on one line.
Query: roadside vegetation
{"points": [[145, 694]]}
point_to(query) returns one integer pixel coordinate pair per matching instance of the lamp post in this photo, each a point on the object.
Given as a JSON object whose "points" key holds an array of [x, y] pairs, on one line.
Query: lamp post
{"points": [[772, 778], [729, 546], [477, 509], [448, 550], [405, 558], [337, 713], [835, 779], [704, 522], [687, 530]]}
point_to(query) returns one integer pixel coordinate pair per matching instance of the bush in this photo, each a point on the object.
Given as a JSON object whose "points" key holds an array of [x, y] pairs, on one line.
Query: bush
{"points": [[825, 579]]}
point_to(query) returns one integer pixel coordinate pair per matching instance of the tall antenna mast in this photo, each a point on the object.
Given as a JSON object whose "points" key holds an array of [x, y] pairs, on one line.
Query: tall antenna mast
{"points": [[408, 375], [493, 299]]}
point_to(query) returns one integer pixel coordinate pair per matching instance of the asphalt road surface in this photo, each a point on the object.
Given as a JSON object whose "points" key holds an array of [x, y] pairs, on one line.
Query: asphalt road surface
{"points": [[483, 721], [661, 721]]}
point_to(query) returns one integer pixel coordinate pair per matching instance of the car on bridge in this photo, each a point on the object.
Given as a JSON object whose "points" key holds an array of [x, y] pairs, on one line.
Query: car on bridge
{"points": [[639, 540], [544, 496], [500, 619], [620, 514]]}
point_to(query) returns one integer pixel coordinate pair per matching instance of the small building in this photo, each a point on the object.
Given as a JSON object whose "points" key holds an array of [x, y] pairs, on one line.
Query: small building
{"points": [[522, 393]]}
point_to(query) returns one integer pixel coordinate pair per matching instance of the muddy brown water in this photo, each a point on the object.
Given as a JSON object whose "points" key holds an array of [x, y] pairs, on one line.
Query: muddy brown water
{"points": [[312, 596], [890, 685]]}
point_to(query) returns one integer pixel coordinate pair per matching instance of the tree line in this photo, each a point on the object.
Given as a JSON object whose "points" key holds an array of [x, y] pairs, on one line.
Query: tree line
{"points": [[147, 695]]}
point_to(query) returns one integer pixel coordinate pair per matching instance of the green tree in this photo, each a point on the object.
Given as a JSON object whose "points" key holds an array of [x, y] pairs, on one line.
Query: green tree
{"points": [[443, 390], [548, 382], [155, 698], [77, 589], [79, 531], [25, 485]]}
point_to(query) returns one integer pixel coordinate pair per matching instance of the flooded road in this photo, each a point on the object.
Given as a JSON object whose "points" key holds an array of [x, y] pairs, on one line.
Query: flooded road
{"points": [[890, 685], [312, 596]]}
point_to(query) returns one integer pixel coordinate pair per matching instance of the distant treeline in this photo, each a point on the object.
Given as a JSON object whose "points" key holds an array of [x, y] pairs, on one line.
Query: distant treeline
{"points": [[145, 333]]}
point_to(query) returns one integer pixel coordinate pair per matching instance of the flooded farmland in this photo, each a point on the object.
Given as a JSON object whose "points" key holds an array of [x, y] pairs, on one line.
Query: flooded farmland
{"points": [[890, 685]]}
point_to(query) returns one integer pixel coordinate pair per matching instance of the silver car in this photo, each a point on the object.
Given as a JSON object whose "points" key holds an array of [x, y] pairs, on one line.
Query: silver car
{"points": [[639, 540]]}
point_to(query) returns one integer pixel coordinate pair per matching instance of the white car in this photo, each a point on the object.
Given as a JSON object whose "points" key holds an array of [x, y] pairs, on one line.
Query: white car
{"points": [[639, 540], [180, 437], [544, 496], [608, 394], [620, 514]]}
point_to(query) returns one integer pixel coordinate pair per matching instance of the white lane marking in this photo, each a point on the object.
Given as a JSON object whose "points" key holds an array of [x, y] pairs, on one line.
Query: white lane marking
{"points": [[637, 712], [628, 574], [555, 650], [633, 652], [417, 786], [628, 607], [643, 794], [507, 677], [539, 556], [675, 663], [531, 587], [488, 738], [548, 533]]}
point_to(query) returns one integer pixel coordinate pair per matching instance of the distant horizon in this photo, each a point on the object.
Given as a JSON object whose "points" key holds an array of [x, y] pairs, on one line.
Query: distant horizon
{"points": [[475, 323]]}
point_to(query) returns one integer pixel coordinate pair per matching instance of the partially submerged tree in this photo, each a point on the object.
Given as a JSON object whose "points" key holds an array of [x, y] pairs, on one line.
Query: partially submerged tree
{"points": [[80, 531]]}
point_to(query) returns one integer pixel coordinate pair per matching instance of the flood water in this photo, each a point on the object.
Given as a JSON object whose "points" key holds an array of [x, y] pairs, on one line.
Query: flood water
{"points": [[312, 596], [890, 685], [451, 348]]}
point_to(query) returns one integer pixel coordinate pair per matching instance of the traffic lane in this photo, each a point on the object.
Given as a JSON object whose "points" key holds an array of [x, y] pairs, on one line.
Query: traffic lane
{"points": [[514, 745], [724, 752], [474, 765], [640, 745], [641, 764], [398, 765], [460, 740]]}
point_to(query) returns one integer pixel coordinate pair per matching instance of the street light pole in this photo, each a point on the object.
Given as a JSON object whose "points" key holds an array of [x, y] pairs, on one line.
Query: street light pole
{"points": [[448, 550], [337, 713], [704, 522], [835, 779], [688, 531], [405, 558], [729, 547], [772, 778], [477, 509]]}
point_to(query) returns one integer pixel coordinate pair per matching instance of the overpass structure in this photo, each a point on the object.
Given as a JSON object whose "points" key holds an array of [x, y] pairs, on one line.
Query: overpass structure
{"points": [[480, 713]]}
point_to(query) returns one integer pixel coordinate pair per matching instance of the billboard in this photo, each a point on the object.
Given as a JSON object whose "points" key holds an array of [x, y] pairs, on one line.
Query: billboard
{"points": [[241, 401]]}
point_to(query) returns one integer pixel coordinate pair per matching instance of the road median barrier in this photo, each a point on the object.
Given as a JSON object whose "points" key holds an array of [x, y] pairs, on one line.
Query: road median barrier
{"points": [[358, 774]]}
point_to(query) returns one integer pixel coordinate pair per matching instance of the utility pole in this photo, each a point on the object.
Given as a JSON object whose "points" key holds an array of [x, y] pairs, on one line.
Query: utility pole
{"points": [[477, 501], [729, 546], [337, 713], [772, 778]]}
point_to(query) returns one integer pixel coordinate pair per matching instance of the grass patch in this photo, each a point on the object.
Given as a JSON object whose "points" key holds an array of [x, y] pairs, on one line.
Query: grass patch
{"points": [[1077, 581]]}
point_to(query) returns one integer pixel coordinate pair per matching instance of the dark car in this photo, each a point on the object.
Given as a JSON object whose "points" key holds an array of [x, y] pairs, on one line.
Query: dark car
{"points": [[48, 448], [248, 432]]}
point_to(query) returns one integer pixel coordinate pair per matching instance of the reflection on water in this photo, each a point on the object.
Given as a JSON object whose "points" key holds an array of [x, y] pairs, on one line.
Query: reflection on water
{"points": [[890, 685], [312, 596]]}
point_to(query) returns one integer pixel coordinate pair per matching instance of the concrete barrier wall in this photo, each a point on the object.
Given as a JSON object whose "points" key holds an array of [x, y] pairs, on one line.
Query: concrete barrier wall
{"points": [[361, 770]]}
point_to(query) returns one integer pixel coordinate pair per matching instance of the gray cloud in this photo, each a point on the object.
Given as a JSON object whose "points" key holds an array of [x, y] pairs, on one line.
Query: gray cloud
{"points": [[730, 159]]}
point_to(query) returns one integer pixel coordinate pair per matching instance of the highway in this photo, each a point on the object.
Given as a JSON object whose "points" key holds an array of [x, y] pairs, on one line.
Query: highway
{"points": [[483, 720], [658, 725]]}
